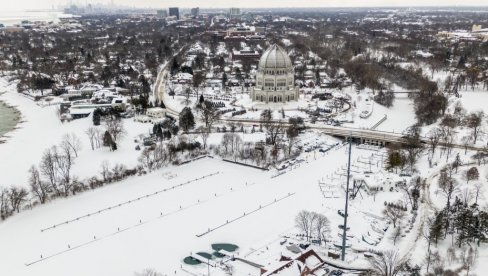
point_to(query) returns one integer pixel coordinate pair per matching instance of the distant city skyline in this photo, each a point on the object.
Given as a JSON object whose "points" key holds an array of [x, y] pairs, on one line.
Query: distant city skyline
{"points": [[48, 4]]}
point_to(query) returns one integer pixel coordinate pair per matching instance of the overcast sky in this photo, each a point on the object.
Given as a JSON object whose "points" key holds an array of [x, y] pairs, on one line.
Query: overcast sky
{"points": [[47, 4]]}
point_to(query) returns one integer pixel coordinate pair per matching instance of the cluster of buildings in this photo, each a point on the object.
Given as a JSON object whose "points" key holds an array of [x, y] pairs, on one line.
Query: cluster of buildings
{"points": [[175, 13], [477, 33]]}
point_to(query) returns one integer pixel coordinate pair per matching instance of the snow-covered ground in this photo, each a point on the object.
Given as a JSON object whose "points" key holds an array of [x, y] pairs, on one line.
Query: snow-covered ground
{"points": [[40, 129], [105, 247]]}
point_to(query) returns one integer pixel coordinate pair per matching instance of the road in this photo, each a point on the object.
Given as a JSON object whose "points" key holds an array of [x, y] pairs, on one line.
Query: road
{"points": [[358, 133]]}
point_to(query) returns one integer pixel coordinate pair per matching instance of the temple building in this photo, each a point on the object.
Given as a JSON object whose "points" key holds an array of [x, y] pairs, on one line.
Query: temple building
{"points": [[275, 80]]}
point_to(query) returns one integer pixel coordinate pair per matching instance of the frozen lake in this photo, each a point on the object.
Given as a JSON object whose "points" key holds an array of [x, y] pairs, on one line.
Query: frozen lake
{"points": [[9, 118]]}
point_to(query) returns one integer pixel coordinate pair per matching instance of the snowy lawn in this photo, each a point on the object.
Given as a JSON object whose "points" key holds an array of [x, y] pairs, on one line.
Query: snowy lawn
{"points": [[135, 235]]}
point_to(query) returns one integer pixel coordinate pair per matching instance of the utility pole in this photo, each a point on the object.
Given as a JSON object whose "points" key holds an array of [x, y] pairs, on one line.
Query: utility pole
{"points": [[344, 232]]}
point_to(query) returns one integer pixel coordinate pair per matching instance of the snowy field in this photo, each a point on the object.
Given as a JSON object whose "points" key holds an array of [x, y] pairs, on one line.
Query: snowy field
{"points": [[41, 129], [124, 239]]}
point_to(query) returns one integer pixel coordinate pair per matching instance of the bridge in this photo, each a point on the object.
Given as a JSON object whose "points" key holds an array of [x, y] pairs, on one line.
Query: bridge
{"points": [[367, 136]]}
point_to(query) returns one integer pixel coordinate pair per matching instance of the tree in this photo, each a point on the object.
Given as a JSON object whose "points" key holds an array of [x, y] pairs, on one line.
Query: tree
{"points": [[388, 263], [108, 141], [64, 161], [393, 213], [413, 145], [292, 131], [197, 80], [434, 137], [105, 172], [209, 114], [436, 230], [321, 227], [468, 259], [448, 186], [187, 121], [71, 142], [273, 128], [474, 121], [92, 136], [115, 126], [97, 114], [224, 79], [204, 134], [39, 188], [48, 168], [16, 197], [478, 189], [148, 272], [472, 174], [302, 222], [385, 98], [394, 159], [187, 91]]}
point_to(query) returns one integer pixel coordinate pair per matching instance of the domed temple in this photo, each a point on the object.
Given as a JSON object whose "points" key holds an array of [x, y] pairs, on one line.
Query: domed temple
{"points": [[275, 80]]}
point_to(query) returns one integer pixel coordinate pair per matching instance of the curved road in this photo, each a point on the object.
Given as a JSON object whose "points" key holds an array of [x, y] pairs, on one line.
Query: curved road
{"points": [[374, 135]]}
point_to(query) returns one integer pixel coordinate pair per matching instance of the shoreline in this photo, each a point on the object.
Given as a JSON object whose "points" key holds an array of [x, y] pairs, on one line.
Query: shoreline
{"points": [[17, 116]]}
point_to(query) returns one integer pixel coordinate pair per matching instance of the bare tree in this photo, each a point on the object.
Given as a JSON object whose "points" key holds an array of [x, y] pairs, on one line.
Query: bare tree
{"points": [[468, 258], [146, 159], [387, 264], [478, 187], [187, 95], [72, 142], [115, 126], [204, 134], [148, 272], [434, 138], [64, 164], [105, 172], [466, 195], [397, 232], [227, 140], [38, 187], [98, 137], [48, 168], [92, 136], [273, 128], [16, 197], [393, 213], [302, 222], [321, 227]]}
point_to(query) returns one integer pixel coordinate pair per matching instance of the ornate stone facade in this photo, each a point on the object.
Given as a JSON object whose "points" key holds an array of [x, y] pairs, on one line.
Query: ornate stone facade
{"points": [[275, 80]]}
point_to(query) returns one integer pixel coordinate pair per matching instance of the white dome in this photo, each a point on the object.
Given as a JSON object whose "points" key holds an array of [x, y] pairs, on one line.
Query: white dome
{"points": [[275, 57]]}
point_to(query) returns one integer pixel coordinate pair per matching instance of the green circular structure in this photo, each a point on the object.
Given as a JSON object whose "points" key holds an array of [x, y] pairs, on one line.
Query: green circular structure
{"points": [[225, 246], [218, 254], [191, 261], [206, 255]]}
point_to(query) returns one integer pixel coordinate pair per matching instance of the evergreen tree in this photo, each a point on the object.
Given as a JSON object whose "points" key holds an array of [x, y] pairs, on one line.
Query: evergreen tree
{"points": [[97, 116], [174, 67], [437, 228], [187, 120], [224, 79], [108, 141]]}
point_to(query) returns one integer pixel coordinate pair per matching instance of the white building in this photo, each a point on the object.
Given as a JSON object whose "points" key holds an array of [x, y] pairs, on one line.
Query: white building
{"points": [[275, 81], [155, 112]]}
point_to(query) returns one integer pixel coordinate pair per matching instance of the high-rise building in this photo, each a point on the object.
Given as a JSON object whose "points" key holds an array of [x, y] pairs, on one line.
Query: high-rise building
{"points": [[162, 13], [234, 12], [195, 12], [174, 12]]}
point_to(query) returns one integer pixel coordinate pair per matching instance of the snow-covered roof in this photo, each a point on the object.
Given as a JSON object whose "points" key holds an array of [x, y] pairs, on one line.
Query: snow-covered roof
{"points": [[275, 57]]}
